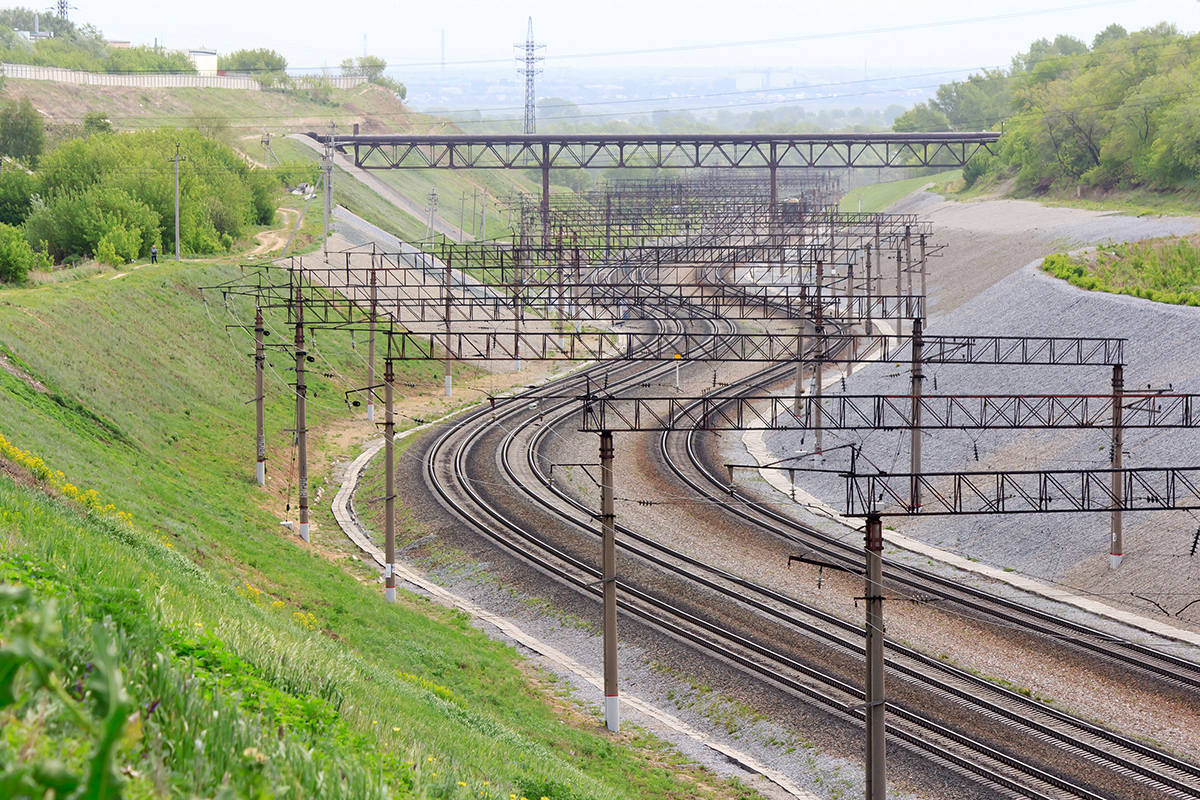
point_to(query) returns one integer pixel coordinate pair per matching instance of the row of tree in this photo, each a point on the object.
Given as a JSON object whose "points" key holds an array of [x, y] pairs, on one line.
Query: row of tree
{"points": [[82, 48], [1123, 112]]}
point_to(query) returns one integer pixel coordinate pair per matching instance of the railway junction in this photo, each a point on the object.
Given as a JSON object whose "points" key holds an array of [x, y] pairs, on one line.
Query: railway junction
{"points": [[706, 305]]}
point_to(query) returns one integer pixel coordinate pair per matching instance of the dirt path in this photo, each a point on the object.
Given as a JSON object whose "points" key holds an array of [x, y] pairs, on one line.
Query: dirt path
{"points": [[269, 241]]}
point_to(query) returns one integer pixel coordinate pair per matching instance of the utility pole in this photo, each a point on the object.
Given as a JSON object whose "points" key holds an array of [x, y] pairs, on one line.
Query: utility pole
{"points": [[545, 209], [301, 423], [908, 256], [260, 468], [875, 703], [371, 343], [389, 481], [433, 204], [819, 366], [608, 530], [483, 214], [446, 288], [914, 447], [176, 159], [1116, 551], [867, 327], [327, 185]]}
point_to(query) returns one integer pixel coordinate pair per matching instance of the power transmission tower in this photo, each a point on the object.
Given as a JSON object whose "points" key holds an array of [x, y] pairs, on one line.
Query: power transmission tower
{"points": [[529, 67], [63, 6]]}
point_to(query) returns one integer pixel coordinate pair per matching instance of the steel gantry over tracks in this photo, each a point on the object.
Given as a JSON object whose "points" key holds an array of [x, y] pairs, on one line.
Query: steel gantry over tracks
{"points": [[657, 151]]}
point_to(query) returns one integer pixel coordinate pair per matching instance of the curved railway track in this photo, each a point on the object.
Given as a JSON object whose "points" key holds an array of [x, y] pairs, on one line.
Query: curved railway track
{"points": [[447, 467]]}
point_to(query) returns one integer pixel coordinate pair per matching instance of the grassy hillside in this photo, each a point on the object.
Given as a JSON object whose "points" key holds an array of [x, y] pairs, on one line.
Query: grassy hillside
{"points": [[194, 647], [879, 196]]}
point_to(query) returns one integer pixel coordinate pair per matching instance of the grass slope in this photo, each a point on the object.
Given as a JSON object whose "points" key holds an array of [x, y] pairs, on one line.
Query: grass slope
{"points": [[879, 196], [1166, 270], [254, 666]]}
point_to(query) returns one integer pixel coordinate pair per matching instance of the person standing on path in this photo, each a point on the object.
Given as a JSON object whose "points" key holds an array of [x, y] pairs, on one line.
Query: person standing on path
{"points": [[153, 254]]}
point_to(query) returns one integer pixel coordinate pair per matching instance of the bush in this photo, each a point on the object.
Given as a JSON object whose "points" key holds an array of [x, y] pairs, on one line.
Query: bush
{"points": [[976, 168], [129, 177], [17, 188], [17, 258]]}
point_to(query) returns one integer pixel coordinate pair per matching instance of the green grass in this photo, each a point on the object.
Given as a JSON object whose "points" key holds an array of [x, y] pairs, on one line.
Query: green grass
{"points": [[255, 665], [1165, 270], [879, 196]]}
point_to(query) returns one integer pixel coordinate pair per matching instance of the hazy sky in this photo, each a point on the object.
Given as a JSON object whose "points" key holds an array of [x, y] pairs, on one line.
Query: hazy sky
{"points": [[882, 36]]}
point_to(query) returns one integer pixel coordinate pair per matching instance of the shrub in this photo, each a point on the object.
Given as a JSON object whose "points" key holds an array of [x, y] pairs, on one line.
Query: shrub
{"points": [[16, 256]]}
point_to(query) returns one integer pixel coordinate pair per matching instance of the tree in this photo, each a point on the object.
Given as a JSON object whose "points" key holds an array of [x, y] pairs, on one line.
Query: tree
{"points": [[96, 122], [17, 188], [923, 118], [253, 61], [1113, 33], [22, 134], [372, 67], [16, 256]]}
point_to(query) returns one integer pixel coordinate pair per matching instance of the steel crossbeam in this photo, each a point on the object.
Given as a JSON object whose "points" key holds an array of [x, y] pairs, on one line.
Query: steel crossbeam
{"points": [[1025, 492], [657, 151], [887, 412], [771, 347]]}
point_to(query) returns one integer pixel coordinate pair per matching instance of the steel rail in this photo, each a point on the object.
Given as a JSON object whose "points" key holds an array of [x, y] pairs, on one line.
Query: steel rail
{"points": [[1165, 772], [1164, 666]]}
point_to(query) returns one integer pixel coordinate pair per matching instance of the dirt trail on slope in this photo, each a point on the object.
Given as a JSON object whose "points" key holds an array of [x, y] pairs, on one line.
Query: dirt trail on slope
{"points": [[269, 241]]}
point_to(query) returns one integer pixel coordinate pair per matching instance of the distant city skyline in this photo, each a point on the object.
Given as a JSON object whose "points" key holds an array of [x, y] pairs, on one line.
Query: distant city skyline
{"points": [[922, 41], [759, 33]]}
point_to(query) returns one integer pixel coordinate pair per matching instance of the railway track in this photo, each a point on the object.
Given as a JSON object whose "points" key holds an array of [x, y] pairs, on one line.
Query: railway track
{"points": [[448, 467]]}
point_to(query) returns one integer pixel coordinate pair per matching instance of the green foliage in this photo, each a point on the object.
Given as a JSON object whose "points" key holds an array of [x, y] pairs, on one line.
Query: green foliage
{"points": [[22, 134], [17, 258], [1164, 270], [96, 122], [1122, 114], [16, 195], [118, 192], [31, 673], [923, 117], [258, 60], [104, 220], [78, 48], [976, 168]]}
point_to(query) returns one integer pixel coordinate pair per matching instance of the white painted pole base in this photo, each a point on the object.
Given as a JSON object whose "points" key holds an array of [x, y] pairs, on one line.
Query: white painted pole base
{"points": [[370, 412], [449, 381], [612, 713], [260, 473], [1114, 560], [304, 531], [390, 594]]}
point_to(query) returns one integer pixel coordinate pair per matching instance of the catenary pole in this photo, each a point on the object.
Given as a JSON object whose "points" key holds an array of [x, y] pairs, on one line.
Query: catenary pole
{"points": [[389, 483], [260, 466], [1116, 551], [301, 414], [612, 708], [876, 770]]}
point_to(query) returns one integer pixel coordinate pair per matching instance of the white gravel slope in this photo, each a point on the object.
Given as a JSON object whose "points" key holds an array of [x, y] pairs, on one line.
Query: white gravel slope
{"points": [[987, 282]]}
